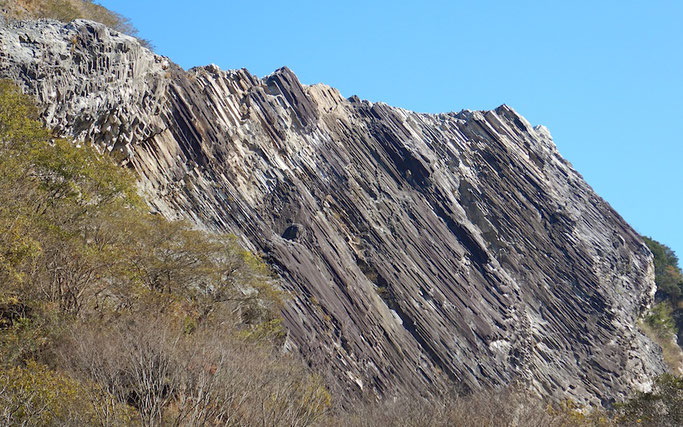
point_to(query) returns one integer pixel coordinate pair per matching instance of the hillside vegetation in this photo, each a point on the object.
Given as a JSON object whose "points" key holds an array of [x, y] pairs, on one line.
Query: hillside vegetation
{"points": [[110, 315], [66, 11], [664, 322]]}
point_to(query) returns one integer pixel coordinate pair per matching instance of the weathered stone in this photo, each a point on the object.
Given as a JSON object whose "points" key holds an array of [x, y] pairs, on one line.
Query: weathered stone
{"points": [[418, 248]]}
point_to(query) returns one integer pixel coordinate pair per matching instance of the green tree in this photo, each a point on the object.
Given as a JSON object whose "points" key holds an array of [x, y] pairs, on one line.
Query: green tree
{"points": [[667, 273]]}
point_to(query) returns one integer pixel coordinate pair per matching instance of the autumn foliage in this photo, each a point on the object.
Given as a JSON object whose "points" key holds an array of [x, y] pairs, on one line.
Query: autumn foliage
{"points": [[110, 315]]}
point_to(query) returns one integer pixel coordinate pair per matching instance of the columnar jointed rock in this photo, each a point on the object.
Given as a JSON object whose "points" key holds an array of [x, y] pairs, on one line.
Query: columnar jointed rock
{"points": [[418, 248]]}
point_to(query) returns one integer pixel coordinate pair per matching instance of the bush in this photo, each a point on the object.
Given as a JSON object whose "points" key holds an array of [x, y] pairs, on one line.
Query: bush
{"points": [[209, 376], [124, 307], [661, 321], [663, 406], [36, 395]]}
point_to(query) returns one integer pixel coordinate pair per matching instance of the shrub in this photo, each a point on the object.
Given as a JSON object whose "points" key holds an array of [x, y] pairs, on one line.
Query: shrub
{"points": [[663, 406], [36, 395], [209, 376], [130, 312], [660, 320]]}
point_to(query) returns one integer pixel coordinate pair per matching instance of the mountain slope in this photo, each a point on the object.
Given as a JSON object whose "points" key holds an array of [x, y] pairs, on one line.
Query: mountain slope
{"points": [[419, 249]]}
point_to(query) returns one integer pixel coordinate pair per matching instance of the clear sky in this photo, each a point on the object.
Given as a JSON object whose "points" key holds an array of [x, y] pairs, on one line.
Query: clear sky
{"points": [[606, 77]]}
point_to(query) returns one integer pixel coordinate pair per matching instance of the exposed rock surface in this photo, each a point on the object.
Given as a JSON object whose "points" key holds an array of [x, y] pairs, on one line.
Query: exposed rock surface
{"points": [[418, 248]]}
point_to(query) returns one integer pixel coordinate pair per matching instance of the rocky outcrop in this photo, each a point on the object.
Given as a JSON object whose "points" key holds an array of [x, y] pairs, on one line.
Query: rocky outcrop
{"points": [[419, 249]]}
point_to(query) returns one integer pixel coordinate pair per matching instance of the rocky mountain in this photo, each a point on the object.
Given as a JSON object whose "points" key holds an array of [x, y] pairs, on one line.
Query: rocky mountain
{"points": [[418, 249]]}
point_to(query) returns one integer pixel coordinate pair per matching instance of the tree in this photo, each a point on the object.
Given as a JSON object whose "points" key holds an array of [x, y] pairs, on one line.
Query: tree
{"points": [[667, 273]]}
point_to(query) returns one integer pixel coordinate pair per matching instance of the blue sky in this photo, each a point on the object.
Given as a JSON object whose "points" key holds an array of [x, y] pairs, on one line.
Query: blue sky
{"points": [[606, 77]]}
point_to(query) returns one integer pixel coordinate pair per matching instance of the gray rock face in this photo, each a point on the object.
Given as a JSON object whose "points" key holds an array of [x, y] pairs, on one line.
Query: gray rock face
{"points": [[419, 249]]}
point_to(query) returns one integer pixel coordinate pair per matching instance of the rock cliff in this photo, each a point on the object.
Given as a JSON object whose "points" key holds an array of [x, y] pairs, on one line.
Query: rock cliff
{"points": [[419, 249]]}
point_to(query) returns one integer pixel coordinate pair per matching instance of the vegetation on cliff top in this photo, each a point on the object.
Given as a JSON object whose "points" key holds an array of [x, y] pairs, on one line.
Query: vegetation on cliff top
{"points": [[68, 10]]}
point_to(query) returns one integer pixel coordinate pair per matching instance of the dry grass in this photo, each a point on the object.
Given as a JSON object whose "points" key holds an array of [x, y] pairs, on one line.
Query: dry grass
{"points": [[671, 351], [66, 11], [482, 409], [209, 377]]}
